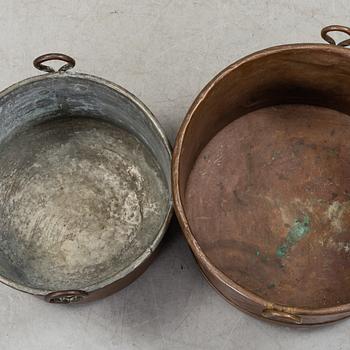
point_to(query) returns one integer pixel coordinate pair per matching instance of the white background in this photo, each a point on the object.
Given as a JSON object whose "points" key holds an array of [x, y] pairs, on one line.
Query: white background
{"points": [[164, 51]]}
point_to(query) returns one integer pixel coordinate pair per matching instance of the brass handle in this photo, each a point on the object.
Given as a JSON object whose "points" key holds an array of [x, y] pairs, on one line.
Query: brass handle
{"points": [[38, 62], [283, 316], [335, 28], [66, 297]]}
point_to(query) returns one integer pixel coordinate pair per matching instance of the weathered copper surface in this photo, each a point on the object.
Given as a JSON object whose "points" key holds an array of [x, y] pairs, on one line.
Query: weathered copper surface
{"points": [[261, 183], [38, 62]]}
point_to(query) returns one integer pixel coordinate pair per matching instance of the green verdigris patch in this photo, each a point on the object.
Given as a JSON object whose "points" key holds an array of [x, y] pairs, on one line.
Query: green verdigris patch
{"points": [[299, 229]]}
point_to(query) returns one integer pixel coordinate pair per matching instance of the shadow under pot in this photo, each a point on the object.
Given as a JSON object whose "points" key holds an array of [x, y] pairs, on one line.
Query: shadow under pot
{"points": [[261, 182], [84, 183]]}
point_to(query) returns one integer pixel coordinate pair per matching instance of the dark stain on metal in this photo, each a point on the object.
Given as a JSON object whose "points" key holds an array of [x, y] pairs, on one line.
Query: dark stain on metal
{"points": [[271, 286]]}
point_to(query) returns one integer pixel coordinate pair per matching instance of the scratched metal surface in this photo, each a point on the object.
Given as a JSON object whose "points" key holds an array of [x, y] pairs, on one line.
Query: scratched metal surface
{"points": [[164, 52]]}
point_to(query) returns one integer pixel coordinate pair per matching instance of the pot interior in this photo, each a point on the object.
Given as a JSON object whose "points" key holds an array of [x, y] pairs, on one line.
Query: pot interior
{"points": [[85, 184], [271, 152]]}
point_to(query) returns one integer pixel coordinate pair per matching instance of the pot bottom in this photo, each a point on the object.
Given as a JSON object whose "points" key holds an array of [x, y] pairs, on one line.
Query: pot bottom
{"points": [[268, 201]]}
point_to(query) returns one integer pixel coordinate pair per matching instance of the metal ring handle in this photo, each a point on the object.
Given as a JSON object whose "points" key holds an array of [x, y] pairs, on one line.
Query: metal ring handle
{"points": [[283, 316], [335, 28], [66, 297], [38, 62]]}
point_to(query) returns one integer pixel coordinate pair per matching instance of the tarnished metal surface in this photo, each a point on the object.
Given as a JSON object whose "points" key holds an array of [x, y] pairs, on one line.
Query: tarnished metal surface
{"points": [[81, 200], [84, 183]]}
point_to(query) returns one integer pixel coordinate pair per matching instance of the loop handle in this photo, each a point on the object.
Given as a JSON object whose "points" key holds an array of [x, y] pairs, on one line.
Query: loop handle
{"points": [[335, 28], [66, 297], [38, 62], [281, 316]]}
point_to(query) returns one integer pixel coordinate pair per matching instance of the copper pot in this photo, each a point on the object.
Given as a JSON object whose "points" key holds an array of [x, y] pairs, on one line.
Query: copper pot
{"points": [[261, 182], [84, 185]]}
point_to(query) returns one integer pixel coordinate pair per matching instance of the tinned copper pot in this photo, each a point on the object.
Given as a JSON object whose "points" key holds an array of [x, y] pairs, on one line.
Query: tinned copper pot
{"points": [[261, 182], [84, 185]]}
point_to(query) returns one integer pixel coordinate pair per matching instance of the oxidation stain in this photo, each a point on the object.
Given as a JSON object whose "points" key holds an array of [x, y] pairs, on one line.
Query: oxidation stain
{"points": [[299, 229]]}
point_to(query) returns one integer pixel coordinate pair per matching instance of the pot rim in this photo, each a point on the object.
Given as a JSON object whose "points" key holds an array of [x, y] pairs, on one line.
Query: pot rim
{"points": [[147, 112], [178, 205]]}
